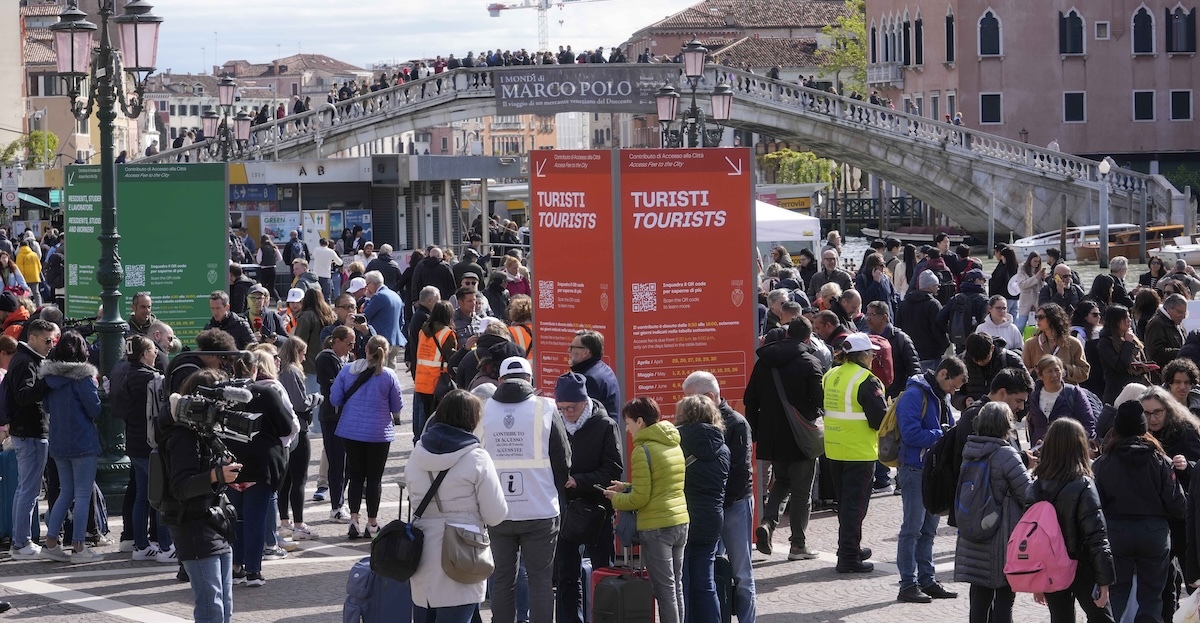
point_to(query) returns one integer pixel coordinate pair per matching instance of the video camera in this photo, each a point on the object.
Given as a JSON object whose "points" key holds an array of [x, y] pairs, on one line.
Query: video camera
{"points": [[84, 326], [210, 411]]}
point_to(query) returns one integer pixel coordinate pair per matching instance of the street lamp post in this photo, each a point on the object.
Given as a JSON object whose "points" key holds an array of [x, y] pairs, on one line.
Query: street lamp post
{"points": [[695, 123], [226, 141], [1104, 167], [98, 67]]}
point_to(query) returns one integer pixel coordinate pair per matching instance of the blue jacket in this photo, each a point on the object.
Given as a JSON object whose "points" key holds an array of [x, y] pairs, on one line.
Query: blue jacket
{"points": [[921, 428], [383, 311], [601, 384], [367, 416], [704, 480], [73, 404]]}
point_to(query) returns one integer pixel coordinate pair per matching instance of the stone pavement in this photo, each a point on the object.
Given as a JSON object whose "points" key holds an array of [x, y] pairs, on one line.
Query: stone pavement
{"points": [[309, 586]]}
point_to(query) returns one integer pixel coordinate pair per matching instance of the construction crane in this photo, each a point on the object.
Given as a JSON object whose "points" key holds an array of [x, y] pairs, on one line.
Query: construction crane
{"points": [[543, 7]]}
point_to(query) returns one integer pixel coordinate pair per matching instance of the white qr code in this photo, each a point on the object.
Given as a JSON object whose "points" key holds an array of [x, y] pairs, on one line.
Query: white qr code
{"points": [[135, 275], [645, 297], [545, 294], [73, 275]]}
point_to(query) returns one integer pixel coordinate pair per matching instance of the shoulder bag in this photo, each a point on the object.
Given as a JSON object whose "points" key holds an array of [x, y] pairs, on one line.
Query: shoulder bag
{"points": [[583, 522], [627, 520], [466, 551], [809, 436], [396, 550], [362, 379]]}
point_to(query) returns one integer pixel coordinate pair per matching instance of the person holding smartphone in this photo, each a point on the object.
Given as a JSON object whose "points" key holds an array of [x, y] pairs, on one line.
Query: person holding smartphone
{"points": [[1122, 355]]}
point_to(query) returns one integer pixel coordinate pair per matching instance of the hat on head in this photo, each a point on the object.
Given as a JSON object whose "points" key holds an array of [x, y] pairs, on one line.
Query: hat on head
{"points": [[356, 285], [1130, 420], [858, 343], [470, 253], [925, 249], [973, 275], [295, 295], [259, 289], [927, 279], [515, 365], [571, 387], [469, 275], [9, 302]]}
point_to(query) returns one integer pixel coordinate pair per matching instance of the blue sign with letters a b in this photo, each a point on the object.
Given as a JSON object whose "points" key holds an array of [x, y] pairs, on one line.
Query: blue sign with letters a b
{"points": [[252, 192]]}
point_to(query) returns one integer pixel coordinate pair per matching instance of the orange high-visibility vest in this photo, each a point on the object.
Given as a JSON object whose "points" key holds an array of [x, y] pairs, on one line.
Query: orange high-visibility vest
{"points": [[429, 360], [522, 336]]}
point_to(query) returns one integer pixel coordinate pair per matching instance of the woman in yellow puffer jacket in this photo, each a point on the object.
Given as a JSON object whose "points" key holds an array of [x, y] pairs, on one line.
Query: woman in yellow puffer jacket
{"points": [[657, 466], [30, 266]]}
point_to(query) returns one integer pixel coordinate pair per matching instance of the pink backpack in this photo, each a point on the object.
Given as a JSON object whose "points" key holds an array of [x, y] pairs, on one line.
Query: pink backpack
{"points": [[1037, 560]]}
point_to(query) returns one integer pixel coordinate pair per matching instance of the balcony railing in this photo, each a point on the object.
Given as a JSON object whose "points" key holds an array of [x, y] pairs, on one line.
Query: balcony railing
{"points": [[886, 73]]}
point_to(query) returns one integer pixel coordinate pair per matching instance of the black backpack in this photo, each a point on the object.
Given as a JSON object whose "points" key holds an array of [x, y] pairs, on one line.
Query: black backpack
{"points": [[939, 477], [962, 321], [975, 507]]}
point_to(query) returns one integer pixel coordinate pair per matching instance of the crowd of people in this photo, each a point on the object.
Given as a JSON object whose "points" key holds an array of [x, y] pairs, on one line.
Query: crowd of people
{"points": [[1105, 380]]}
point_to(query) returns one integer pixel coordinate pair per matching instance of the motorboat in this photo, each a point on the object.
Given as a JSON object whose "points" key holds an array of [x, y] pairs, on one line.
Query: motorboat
{"points": [[918, 235], [1075, 235], [1125, 242], [1182, 249]]}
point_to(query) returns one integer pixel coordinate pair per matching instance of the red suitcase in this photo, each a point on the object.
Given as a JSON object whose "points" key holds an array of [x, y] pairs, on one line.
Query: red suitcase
{"points": [[621, 570]]}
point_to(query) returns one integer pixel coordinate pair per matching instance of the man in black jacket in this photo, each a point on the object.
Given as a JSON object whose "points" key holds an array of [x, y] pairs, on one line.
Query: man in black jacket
{"points": [[389, 268], [595, 460], [227, 321], [800, 383], [905, 363], [984, 359], [966, 310], [468, 264], [239, 288], [28, 428], [739, 492], [434, 271], [917, 316]]}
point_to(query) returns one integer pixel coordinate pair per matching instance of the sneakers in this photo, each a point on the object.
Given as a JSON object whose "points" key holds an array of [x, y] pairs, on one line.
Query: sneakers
{"points": [[272, 553], [31, 551], [762, 538], [937, 591], [304, 533], [284, 531], [239, 576], [288, 545], [883, 489], [87, 555], [370, 532], [167, 556], [255, 579], [150, 553], [353, 533], [182, 575], [341, 515], [802, 552], [321, 495], [126, 546], [913, 595], [854, 567], [55, 553], [95, 539]]}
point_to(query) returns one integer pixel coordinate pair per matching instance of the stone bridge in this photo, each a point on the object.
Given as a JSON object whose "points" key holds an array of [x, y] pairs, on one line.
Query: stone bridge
{"points": [[970, 176]]}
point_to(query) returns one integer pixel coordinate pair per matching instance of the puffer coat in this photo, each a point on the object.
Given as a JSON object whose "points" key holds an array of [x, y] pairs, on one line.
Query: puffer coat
{"points": [[982, 563]]}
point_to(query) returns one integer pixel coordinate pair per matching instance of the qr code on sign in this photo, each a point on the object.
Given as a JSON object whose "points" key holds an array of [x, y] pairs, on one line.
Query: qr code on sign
{"points": [[135, 275], [545, 294], [645, 297]]}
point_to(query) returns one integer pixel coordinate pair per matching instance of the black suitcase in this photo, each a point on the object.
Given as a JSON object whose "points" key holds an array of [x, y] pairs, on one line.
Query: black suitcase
{"points": [[726, 587], [622, 595]]}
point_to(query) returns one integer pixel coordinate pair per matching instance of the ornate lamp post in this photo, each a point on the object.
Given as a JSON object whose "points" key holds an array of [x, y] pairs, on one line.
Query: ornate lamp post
{"points": [[695, 123], [224, 140], [98, 67]]}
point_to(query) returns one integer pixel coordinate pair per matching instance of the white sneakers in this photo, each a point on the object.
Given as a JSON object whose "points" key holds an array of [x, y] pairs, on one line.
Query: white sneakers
{"points": [[31, 551], [150, 553], [167, 557], [87, 555], [341, 515], [304, 533], [126, 547], [56, 554]]}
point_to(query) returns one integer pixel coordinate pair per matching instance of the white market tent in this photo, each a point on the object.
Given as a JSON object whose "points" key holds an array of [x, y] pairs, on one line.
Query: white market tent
{"points": [[776, 224]]}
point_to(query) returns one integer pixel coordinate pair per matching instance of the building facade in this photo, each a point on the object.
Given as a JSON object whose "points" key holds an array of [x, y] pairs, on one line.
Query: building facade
{"points": [[12, 93]]}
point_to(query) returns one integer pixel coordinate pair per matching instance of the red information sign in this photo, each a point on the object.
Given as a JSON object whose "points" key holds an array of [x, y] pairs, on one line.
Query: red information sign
{"points": [[683, 316], [572, 209]]}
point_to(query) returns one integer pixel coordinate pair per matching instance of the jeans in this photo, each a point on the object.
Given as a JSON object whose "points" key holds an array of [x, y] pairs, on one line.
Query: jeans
{"points": [[883, 475], [449, 614], [914, 550], [662, 549], [253, 506], [212, 587], [534, 540], [570, 577], [735, 544], [31, 462], [1141, 547], [418, 414], [326, 288], [699, 584], [991, 605], [142, 510], [76, 477], [794, 479], [1062, 603], [335, 453], [852, 481]]}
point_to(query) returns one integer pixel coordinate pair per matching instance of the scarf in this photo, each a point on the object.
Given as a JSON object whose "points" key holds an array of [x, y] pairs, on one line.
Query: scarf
{"points": [[587, 413], [512, 277]]}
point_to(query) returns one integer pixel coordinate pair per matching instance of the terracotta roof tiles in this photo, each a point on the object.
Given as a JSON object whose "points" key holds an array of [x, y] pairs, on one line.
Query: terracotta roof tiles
{"points": [[764, 52], [751, 14]]}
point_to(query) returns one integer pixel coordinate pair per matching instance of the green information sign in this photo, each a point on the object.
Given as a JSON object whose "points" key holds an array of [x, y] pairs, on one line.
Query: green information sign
{"points": [[173, 224]]}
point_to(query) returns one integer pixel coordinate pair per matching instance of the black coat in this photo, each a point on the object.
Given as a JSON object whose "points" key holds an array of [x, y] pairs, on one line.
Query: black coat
{"points": [[595, 457], [1136, 481], [918, 317], [905, 361], [419, 318], [237, 294], [1077, 504], [703, 445], [328, 366], [25, 393], [800, 372], [387, 266], [433, 272], [264, 458], [1181, 440], [189, 466], [129, 404], [1115, 357], [738, 440], [235, 326], [980, 377]]}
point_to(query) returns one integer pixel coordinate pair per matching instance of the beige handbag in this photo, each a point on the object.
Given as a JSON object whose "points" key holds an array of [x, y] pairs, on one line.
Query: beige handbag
{"points": [[466, 552]]}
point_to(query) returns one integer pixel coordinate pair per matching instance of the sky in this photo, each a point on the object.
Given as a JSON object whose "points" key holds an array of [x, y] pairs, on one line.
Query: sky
{"points": [[197, 34]]}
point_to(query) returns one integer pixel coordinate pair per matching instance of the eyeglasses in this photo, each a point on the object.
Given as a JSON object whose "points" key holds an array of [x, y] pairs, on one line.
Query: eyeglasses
{"points": [[1156, 413], [1040, 317], [574, 346], [1000, 307], [47, 340]]}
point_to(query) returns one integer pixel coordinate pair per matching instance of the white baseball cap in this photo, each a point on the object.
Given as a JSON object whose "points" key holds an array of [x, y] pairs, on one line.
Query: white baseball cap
{"points": [[356, 285], [858, 343], [295, 295], [515, 365]]}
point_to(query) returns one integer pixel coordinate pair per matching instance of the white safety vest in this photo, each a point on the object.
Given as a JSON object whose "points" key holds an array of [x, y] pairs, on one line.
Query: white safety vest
{"points": [[517, 436]]}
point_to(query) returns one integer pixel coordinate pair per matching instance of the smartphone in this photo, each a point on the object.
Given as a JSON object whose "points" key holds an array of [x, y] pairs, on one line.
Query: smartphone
{"points": [[600, 488], [1095, 592], [1037, 448]]}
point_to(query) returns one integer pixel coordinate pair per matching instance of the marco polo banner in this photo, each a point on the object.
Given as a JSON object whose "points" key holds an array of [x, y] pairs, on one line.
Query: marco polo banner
{"points": [[571, 88]]}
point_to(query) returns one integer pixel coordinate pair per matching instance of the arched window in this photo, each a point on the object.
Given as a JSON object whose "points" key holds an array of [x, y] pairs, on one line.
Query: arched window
{"points": [[919, 41], [1181, 30], [874, 45], [950, 37], [1070, 33], [1143, 31], [906, 42], [989, 34]]}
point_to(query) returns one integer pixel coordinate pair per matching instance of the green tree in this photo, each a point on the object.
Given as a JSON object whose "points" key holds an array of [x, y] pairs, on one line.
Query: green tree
{"points": [[798, 167], [849, 49], [41, 147], [11, 152]]}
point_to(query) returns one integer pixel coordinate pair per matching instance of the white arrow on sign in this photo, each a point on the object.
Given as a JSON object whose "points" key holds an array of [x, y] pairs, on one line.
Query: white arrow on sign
{"points": [[737, 167], [541, 165]]}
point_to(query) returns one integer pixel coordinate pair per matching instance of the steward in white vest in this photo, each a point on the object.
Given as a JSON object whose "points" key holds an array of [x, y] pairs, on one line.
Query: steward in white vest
{"points": [[527, 440]]}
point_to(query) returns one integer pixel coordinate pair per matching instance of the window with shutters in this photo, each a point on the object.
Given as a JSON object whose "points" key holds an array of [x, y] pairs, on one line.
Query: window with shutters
{"points": [[989, 35], [1143, 31], [1070, 33], [1181, 30]]}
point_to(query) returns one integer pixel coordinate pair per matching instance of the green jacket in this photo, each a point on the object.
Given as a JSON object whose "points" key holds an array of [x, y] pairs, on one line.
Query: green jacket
{"points": [[656, 494]]}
